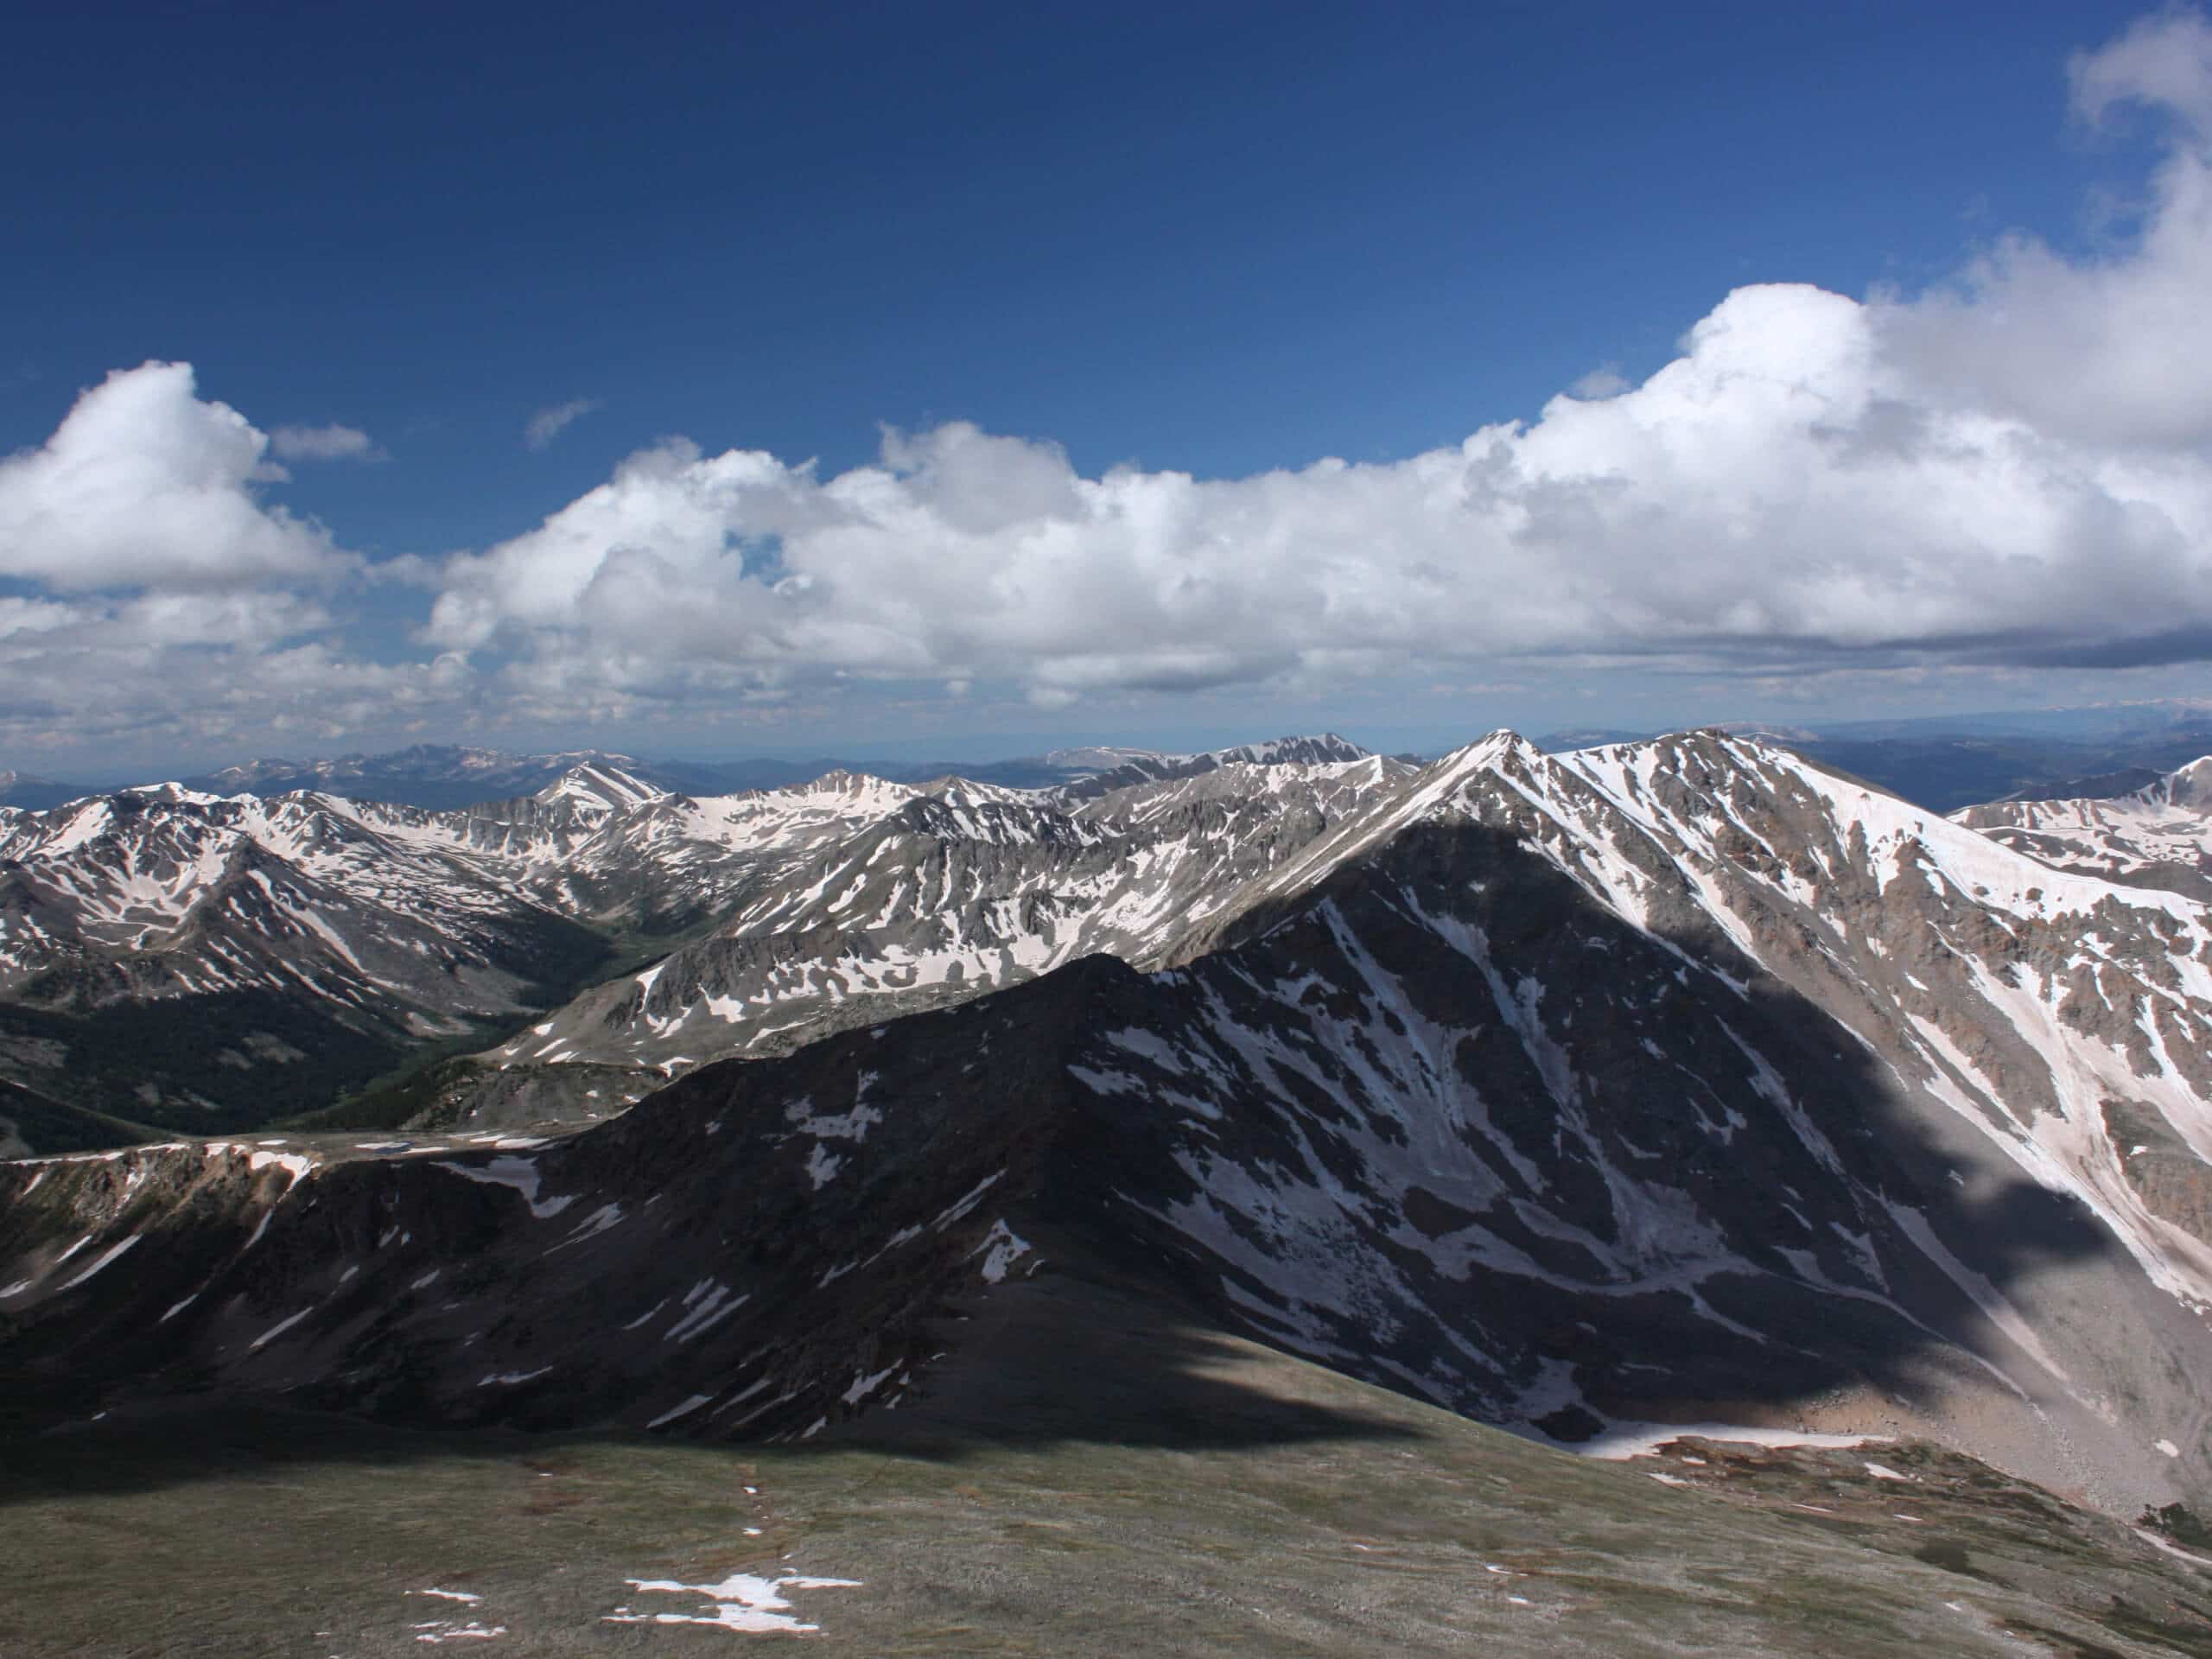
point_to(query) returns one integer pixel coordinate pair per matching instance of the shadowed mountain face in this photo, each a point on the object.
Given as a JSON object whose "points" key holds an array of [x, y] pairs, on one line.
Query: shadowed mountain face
{"points": [[1677, 1082]]}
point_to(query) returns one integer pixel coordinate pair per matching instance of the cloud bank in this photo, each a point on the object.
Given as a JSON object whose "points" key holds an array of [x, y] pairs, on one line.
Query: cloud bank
{"points": [[2014, 468]]}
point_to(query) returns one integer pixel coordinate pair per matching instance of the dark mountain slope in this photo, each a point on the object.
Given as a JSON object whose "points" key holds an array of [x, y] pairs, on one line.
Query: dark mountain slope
{"points": [[766, 1238]]}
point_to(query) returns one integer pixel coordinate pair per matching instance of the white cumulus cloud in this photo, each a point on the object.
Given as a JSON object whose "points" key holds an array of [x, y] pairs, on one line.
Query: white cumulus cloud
{"points": [[168, 599], [2163, 61], [144, 483]]}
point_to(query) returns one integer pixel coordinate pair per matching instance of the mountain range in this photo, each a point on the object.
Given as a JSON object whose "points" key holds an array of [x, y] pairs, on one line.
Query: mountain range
{"points": [[1602, 1096], [186, 960]]}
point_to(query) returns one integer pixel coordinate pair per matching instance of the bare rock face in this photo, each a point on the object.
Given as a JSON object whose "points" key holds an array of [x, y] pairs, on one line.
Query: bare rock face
{"points": [[2174, 1184], [1677, 1082]]}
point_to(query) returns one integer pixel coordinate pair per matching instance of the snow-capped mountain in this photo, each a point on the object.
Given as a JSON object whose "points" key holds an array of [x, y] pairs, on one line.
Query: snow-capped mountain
{"points": [[170, 891], [401, 924], [1941, 1062], [1678, 1082], [130, 887], [172, 957], [954, 889], [2157, 833]]}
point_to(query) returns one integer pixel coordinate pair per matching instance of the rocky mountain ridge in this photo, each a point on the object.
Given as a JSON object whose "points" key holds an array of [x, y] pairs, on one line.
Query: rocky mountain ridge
{"points": [[374, 927]]}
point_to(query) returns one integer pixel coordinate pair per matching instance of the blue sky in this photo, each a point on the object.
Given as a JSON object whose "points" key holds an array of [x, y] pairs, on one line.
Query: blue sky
{"points": [[1215, 241]]}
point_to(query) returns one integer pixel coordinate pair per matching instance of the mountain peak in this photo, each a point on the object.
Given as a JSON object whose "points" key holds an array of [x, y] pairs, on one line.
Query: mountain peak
{"points": [[1487, 751], [2190, 785], [596, 786], [843, 781], [173, 793]]}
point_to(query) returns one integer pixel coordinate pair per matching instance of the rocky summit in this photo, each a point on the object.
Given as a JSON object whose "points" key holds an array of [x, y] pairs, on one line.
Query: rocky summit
{"points": [[1671, 1088]]}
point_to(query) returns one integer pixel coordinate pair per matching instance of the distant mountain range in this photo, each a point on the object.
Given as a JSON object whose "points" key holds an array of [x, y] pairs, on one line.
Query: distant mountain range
{"points": [[1941, 762], [443, 777], [2153, 831]]}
